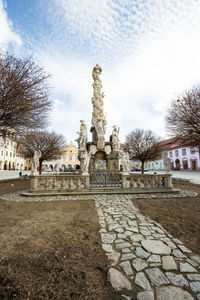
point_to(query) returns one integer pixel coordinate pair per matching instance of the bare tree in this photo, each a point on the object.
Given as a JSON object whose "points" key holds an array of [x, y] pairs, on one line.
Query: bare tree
{"points": [[24, 99], [183, 117], [143, 145], [49, 143]]}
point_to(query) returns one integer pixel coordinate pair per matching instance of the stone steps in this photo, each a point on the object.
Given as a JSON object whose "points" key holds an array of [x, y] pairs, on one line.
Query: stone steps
{"points": [[99, 191]]}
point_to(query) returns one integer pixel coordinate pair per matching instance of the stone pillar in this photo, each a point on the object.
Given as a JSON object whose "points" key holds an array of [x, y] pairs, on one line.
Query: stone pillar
{"points": [[78, 183], [34, 181], [63, 184], [169, 181], [124, 181], [70, 183]]}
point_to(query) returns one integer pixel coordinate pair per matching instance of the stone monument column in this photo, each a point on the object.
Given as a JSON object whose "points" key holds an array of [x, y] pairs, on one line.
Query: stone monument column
{"points": [[98, 128]]}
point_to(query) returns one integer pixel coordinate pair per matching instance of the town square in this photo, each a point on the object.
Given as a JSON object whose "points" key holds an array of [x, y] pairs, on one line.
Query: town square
{"points": [[99, 150]]}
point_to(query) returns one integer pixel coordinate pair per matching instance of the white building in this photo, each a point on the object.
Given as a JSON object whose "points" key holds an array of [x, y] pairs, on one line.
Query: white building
{"points": [[185, 158], [157, 165], [10, 157], [181, 157]]}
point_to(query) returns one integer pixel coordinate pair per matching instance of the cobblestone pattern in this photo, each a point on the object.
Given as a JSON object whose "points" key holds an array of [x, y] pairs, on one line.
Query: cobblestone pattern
{"points": [[142, 253], [18, 198]]}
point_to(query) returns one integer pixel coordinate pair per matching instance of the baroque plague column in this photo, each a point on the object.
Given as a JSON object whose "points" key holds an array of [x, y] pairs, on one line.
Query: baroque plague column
{"points": [[100, 159], [98, 155]]}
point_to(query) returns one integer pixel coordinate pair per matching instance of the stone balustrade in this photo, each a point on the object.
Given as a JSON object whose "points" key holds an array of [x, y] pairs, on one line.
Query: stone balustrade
{"points": [[65, 182], [139, 181], [59, 182]]}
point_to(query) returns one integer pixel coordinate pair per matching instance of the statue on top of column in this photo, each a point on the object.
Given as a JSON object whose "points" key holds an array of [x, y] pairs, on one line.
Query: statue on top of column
{"points": [[98, 117]]}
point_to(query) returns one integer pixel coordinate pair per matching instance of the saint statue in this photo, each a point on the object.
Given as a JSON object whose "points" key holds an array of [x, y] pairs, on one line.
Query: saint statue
{"points": [[125, 161], [83, 136], [35, 160], [86, 161], [166, 161], [115, 138]]}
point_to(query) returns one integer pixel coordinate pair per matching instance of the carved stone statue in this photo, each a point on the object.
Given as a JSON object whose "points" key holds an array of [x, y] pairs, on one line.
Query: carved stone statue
{"points": [[35, 160], [86, 161], [166, 161], [83, 136], [93, 149], [100, 165], [108, 149], [115, 138], [125, 162], [100, 135], [96, 72], [98, 117]]}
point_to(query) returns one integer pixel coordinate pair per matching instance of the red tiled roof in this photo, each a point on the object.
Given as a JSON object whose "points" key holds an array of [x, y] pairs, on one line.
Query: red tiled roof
{"points": [[174, 143]]}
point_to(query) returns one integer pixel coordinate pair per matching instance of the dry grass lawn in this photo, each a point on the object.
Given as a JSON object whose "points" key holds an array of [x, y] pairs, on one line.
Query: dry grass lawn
{"points": [[52, 250]]}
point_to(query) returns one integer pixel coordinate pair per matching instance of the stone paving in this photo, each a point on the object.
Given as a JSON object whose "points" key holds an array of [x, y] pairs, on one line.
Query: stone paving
{"points": [[142, 255]]}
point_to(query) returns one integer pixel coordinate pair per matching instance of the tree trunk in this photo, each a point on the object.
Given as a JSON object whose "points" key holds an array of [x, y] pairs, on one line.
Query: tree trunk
{"points": [[40, 166], [142, 167]]}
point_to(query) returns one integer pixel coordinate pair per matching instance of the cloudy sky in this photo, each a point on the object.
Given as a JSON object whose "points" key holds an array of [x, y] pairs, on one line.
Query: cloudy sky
{"points": [[149, 52]]}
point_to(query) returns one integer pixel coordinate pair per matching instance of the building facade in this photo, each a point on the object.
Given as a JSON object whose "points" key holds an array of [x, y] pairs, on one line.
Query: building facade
{"points": [[10, 152], [156, 165], [68, 159], [69, 156], [11, 155], [184, 158]]}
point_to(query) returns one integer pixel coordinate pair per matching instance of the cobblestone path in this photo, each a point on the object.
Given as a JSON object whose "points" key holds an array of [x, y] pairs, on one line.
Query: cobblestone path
{"points": [[143, 256]]}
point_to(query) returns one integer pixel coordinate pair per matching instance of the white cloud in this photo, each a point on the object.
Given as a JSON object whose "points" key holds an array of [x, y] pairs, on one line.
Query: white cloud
{"points": [[7, 33], [149, 52], [113, 29]]}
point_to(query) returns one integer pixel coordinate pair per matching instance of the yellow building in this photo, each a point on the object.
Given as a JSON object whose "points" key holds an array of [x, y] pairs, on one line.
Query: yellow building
{"points": [[69, 156], [28, 164]]}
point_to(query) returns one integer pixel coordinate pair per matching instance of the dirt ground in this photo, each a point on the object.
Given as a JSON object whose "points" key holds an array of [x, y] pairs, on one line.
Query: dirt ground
{"points": [[52, 250], [13, 185], [179, 216]]}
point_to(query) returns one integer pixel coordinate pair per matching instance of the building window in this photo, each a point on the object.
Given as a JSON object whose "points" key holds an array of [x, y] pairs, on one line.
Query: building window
{"points": [[1, 153], [176, 153], [70, 157], [6, 153], [7, 143], [192, 150], [77, 157], [10, 154], [14, 155], [184, 151], [170, 154]]}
